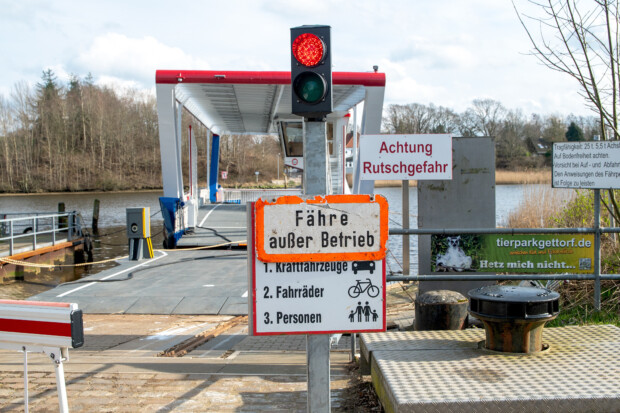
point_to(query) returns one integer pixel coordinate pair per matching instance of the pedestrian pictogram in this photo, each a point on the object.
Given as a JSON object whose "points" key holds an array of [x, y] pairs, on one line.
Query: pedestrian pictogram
{"points": [[363, 313]]}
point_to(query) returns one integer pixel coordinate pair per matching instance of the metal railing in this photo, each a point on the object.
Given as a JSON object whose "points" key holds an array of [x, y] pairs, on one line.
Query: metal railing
{"points": [[37, 229], [596, 275], [243, 196]]}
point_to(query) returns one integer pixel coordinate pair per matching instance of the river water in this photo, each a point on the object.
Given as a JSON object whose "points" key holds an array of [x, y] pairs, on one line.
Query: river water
{"points": [[112, 241]]}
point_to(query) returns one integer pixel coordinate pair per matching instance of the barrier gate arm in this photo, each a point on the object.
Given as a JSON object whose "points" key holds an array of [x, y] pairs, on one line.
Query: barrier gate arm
{"points": [[42, 327]]}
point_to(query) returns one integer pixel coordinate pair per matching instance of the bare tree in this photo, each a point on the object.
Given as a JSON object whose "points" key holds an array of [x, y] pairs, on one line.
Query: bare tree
{"points": [[488, 115], [510, 143], [581, 40], [554, 129], [419, 118]]}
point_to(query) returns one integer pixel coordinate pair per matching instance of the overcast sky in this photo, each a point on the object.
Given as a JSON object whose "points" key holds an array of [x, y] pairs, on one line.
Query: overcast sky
{"points": [[446, 52]]}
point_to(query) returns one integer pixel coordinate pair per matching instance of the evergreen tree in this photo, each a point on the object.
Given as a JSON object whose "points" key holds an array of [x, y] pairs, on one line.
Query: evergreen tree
{"points": [[574, 133]]}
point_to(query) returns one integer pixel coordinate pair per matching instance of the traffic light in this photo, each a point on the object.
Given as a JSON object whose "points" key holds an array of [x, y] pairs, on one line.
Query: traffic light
{"points": [[311, 71]]}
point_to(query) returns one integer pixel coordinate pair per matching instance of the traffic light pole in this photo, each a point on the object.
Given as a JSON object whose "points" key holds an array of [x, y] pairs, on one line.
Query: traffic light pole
{"points": [[315, 159], [316, 182], [311, 98]]}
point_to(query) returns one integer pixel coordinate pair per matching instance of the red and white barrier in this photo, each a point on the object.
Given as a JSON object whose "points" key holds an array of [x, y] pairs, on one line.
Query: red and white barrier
{"points": [[42, 327]]}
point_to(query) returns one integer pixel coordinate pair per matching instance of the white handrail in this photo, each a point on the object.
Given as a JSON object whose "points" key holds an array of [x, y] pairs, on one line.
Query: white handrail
{"points": [[37, 224]]}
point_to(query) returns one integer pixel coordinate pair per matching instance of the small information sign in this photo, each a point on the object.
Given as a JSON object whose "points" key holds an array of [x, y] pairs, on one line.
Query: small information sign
{"points": [[318, 297], [587, 165], [294, 161], [402, 157], [329, 228]]}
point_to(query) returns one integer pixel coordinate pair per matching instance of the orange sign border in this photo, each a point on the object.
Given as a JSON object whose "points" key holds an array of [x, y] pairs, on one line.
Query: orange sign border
{"points": [[327, 256]]}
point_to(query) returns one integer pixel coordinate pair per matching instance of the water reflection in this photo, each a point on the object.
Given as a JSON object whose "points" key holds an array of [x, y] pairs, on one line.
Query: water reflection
{"points": [[112, 242]]}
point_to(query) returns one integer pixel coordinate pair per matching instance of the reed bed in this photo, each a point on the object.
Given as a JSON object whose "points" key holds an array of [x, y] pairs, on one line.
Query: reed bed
{"points": [[538, 176], [539, 206], [502, 177]]}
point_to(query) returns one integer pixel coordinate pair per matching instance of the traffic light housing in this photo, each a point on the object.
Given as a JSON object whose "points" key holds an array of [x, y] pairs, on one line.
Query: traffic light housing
{"points": [[311, 71]]}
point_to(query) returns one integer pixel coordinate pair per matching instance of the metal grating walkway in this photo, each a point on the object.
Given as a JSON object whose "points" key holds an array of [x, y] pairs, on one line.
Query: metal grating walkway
{"points": [[445, 371]]}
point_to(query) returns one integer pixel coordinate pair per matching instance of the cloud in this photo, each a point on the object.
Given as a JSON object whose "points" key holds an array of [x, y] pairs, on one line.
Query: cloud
{"points": [[403, 88], [436, 54], [116, 56], [299, 9]]}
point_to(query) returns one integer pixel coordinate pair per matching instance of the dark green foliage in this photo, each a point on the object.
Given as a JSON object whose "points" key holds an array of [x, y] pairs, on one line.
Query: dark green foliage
{"points": [[574, 133]]}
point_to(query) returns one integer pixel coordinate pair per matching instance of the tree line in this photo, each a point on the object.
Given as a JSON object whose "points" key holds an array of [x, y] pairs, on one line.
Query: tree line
{"points": [[520, 141], [81, 136], [78, 136]]}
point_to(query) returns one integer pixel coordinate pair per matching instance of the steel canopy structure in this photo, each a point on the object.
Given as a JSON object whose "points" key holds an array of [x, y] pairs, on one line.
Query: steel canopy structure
{"points": [[247, 103]]}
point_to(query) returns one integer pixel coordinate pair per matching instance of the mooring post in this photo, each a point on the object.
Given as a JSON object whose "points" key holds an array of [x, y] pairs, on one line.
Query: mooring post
{"points": [[62, 221], [95, 223]]}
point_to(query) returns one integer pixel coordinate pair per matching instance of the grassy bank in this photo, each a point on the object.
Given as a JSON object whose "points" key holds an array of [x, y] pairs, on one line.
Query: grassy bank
{"points": [[563, 208]]}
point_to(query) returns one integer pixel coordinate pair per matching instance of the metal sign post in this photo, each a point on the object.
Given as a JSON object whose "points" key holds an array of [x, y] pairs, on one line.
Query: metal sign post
{"points": [[588, 165], [316, 265], [317, 346]]}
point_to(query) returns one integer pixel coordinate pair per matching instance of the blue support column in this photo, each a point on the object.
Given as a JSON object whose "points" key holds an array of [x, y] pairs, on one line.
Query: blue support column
{"points": [[215, 162]]}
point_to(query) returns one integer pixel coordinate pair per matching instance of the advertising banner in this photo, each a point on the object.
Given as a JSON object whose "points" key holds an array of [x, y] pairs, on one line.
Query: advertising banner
{"points": [[516, 254]]}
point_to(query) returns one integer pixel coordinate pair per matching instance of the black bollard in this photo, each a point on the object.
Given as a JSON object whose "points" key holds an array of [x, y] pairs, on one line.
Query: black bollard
{"points": [[440, 310]]}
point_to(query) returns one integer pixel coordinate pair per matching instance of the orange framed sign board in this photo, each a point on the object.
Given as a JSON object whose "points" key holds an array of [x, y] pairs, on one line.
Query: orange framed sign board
{"points": [[322, 228]]}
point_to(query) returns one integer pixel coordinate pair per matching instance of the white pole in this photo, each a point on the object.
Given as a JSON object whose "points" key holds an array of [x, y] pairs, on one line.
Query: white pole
{"points": [[25, 380], [60, 385]]}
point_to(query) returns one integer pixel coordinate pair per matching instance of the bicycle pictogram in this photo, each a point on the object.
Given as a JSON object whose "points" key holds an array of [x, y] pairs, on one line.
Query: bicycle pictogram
{"points": [[364, 286]]}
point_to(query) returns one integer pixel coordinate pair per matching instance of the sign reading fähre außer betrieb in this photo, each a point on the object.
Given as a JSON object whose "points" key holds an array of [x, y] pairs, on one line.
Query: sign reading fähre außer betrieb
{"points": [[321, 228]]}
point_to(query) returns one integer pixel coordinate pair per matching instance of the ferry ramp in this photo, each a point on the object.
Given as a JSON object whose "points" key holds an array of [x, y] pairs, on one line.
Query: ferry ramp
{"points": [[217, 224], [206, 274]]}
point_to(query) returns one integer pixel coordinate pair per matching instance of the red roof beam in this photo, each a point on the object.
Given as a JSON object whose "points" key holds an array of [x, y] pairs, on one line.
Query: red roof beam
{"points": [[369, 79]]}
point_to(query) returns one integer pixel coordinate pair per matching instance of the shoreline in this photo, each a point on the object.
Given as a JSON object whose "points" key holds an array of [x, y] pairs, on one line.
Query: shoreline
{"points": [[502, 177]]}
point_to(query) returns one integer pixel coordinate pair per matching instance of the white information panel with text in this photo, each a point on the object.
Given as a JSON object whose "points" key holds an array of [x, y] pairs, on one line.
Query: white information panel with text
{"points": [[588, 165], [318, 297]]}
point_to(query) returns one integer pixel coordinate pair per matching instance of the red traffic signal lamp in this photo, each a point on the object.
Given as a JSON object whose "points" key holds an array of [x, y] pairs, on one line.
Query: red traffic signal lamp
{"points": [[311, 71]]}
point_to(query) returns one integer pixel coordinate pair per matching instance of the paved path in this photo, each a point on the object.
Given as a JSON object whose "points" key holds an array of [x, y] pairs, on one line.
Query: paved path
{"points": [[119, 370]]}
